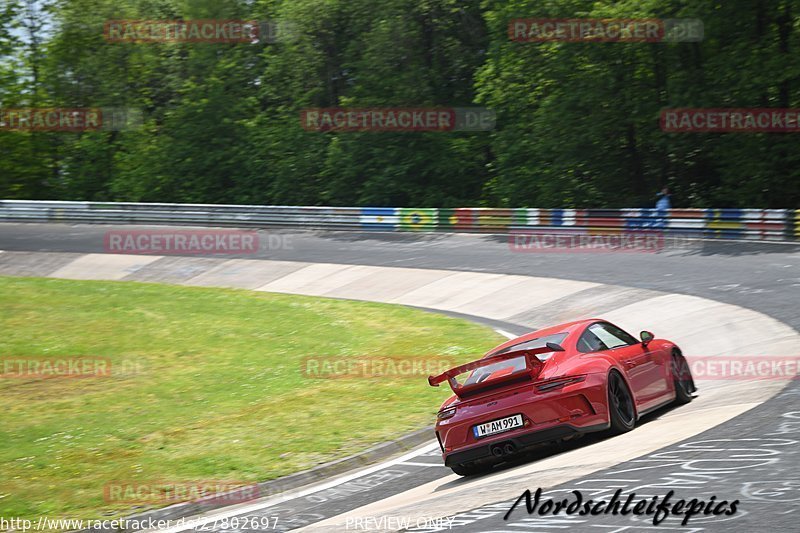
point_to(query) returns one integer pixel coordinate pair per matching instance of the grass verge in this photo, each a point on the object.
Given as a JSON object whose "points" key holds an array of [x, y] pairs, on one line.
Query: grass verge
{"points": [[205, 384]]}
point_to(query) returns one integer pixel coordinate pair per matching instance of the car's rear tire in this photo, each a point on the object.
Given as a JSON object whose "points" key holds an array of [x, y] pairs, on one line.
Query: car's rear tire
{"points": [[622, 412], [468, 469], [682, 377]]}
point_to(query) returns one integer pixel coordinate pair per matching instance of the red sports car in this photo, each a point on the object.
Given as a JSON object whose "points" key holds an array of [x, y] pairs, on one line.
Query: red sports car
{"points": [[555, 384]]}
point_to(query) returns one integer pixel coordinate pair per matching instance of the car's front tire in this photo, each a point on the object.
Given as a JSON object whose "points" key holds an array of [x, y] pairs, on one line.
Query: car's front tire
{"points": [[622, 412]]}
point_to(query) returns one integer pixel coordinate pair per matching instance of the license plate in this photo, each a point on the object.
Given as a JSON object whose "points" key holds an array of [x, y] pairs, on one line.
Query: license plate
{"points": [[497, 426]]}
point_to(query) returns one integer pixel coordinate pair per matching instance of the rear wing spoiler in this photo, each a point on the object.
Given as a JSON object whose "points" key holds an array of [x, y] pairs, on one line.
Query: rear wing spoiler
{"points": [[533, 365]]}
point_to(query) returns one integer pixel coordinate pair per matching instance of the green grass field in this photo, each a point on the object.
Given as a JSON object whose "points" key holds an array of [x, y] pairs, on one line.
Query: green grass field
{"points": [[206, 384]]}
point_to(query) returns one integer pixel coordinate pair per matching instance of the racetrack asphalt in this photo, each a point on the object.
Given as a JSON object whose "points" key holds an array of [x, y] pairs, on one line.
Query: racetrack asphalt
{"points": [[753, 457]]}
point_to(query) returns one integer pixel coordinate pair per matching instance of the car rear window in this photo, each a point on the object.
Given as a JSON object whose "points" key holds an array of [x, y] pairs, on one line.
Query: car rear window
{"points": [[495, 370], [532, 344]]}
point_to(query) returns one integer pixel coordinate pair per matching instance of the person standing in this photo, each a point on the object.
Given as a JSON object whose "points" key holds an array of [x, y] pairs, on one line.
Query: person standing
{"points": [[663, 203]]}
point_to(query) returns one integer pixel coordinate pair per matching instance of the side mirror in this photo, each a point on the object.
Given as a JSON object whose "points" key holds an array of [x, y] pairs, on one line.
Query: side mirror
{"points": [[555, 347], [646, 337]]}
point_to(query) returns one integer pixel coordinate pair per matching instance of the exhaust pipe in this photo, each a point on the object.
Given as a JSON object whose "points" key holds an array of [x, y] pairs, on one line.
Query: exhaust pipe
{"points": [[498, 450]]}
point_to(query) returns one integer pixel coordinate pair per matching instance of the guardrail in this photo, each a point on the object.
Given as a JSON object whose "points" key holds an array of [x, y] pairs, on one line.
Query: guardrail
{"points": [[759, 224]]}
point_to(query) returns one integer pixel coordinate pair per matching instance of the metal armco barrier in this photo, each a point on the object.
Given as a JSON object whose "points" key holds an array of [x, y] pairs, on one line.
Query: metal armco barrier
{"points": [[758, 224]]}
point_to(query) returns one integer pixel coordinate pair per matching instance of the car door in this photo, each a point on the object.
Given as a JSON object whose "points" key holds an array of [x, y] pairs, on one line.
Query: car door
{"points": [[643, 366]]}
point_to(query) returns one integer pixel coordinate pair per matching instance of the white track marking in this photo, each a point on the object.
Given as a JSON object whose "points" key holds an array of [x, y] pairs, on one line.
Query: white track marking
{"points": [[411, 463], [506, 334], [205, 519]]}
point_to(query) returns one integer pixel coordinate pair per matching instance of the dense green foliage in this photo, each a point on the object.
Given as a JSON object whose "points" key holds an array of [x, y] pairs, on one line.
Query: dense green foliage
{"points": [[578, 123]]}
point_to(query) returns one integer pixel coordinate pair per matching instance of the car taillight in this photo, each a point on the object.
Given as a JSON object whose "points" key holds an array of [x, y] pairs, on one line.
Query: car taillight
{"points": [[558, 383], [444, 414]]}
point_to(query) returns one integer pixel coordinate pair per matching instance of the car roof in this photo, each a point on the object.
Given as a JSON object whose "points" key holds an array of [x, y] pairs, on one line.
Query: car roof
{"points": [[568, 327]]}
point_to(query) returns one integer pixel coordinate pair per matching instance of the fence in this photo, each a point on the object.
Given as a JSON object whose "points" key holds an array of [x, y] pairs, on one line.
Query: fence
{"points": [[758, 224]]}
